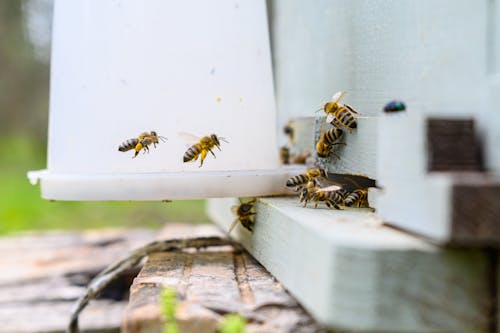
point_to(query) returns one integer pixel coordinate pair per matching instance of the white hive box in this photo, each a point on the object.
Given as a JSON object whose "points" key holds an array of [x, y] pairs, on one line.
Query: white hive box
{"points": [[120, 68]]}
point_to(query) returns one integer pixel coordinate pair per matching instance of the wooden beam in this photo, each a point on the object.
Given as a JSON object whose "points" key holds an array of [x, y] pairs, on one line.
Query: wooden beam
{"points": [[448, 207], [354, 274], [210, 283]]}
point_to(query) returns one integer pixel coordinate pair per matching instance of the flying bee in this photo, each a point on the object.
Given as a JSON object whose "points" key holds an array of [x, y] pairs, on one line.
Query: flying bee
{"points": [[340, 114], [203, 146], [358, 198], [301, 179], [244, 214], [328, 139], [143, 141]]}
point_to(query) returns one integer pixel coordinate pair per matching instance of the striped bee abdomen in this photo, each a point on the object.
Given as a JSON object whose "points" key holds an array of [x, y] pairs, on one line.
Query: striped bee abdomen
{"points": [[332, 135], [192, 152], [297, 180], [129, 144], [355, 197], [346, 118]]}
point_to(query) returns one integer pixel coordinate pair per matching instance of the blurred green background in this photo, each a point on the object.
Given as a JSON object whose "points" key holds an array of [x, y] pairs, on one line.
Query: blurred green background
{"points": [[24, 93]]}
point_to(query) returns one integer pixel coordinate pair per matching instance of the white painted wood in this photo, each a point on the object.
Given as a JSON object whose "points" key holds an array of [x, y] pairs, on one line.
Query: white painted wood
{"points": [[354, 274], [120, 68], [357, 156], [411, 198], [164, 186], [490, 122], [419, 51]]}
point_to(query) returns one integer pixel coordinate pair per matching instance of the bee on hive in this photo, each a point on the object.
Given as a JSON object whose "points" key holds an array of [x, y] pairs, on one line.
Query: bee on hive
{"points": [[302, 179], [143, 141], [327, 140], [358, 198], [285, 155], [244, 214], [340, 114], [202, 147], [332, 196]]}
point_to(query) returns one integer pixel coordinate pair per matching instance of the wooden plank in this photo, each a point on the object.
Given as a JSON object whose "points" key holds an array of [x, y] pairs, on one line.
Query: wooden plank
{"points": [[211, 283], [432, 204], [365, 277], [43, 274]]}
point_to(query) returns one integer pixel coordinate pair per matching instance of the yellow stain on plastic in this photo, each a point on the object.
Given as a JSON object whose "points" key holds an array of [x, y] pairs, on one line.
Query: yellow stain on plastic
{"points": [[241, 99], [218, 99]]}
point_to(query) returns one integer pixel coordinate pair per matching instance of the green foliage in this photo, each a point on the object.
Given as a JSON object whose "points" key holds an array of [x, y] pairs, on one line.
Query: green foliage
{"points": [[232, 323], [22, 208], [168, 304]]}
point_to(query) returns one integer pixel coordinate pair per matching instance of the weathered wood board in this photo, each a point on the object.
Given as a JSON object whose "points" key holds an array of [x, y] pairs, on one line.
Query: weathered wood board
{"points": [[43, 274], [211, 283], [354, 274]]}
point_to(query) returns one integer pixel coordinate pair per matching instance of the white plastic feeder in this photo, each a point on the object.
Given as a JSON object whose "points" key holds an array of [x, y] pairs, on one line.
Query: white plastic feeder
{"points": [[123, 67]]}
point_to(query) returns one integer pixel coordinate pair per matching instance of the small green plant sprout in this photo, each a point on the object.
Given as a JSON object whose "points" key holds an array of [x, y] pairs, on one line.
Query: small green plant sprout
{"points": [[168, 304], [233, 323]]}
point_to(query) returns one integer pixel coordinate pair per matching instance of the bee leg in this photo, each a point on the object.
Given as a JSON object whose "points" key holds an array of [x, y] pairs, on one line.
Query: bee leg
{"points": [[335, 154], [211, 152], [203, 155], [137, 149]]}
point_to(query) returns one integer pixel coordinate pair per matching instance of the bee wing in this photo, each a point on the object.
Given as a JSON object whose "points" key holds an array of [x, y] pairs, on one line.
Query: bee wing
{"points": [[188, 137], [351, 109], [330, 117], [232, 226], [329, 188], [338, 97], [352, 182]]}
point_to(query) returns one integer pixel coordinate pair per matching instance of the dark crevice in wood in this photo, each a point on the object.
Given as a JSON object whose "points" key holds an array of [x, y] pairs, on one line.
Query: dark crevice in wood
{"points": [[453, 145], [240, 272]]}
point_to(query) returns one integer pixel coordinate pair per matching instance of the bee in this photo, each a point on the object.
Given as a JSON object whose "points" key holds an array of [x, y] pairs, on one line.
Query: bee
{"points": [[359, 198], [301, 179], [331, 198], [143, 141], [289, 130], [394, 106], [340, 114], [244, 214], [307, 191], [285, 155], [202, 147], [300, 158], [327, 140]]}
